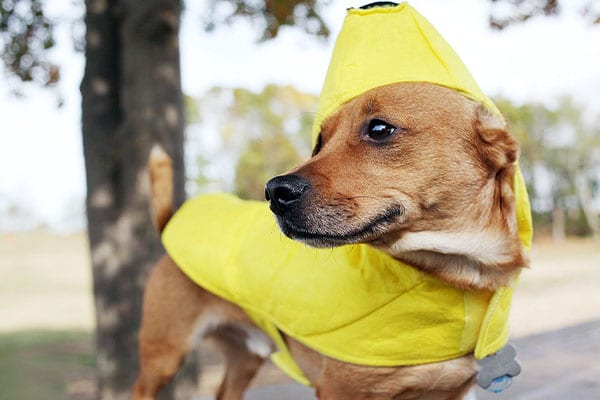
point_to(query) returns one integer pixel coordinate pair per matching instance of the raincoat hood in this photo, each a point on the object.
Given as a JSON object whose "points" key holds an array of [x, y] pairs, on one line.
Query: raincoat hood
{"points": [[391, 44]]}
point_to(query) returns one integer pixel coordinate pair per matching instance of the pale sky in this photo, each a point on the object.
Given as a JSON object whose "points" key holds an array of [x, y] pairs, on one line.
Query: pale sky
{"points": [[41, 161]]}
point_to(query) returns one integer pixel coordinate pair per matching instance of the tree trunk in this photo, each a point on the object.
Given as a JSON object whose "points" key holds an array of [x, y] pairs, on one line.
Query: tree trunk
{"points": [[558, 223], [131, 99], [584, 193]]}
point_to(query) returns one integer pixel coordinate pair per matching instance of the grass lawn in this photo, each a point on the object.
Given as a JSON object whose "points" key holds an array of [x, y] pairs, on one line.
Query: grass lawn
{"points": [[46, 317], [46, 365]]}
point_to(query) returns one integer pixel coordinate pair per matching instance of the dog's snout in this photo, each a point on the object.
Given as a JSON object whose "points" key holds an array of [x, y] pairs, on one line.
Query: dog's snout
{"points": [[285, 192]]}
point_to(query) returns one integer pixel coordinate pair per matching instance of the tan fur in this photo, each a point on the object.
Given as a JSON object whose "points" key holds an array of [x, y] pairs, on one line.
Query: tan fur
{"points": [[449, 171], [446, 174], [160, 167]]}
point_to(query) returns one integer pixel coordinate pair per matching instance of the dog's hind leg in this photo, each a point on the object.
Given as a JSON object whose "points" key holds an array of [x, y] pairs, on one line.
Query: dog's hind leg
{"points": [[176, 312], [245, 349], [172, 306]]}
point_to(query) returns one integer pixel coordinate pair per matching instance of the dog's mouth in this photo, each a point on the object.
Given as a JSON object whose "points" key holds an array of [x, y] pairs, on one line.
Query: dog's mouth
{"points": [[327, 233]]}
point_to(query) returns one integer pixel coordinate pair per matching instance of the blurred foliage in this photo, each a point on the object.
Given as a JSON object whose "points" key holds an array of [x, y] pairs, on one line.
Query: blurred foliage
{"points": [[560, 160], [190, 110], [26, 33], [262, 160], [25, 36], [270, 14], [263, 134], [508, 12]]}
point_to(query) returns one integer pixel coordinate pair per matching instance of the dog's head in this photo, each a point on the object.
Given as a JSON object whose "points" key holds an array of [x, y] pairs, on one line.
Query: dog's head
{"points": [[415, 169]]}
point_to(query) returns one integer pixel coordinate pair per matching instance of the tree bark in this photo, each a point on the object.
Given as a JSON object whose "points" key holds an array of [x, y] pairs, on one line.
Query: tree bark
{"points": [[558, 224], [584, 193], [131, 99]]}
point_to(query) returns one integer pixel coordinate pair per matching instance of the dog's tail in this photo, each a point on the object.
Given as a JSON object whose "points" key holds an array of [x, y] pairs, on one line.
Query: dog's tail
{"points": [[160, 167]]}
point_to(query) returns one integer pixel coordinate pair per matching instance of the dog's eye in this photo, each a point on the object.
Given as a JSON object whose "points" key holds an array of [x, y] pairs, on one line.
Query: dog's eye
{"points": [[379, 130]]}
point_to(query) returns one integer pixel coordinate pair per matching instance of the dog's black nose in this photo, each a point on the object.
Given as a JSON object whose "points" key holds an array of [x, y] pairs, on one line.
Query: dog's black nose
{"points": [[285, 192]]}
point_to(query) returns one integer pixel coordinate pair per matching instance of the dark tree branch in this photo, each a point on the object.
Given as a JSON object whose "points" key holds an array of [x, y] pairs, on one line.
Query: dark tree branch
{"points": [[272, 15], [523, 10]]}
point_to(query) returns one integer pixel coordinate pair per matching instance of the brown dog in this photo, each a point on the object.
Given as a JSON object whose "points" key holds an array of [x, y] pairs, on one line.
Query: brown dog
{"points": [[414, 169]]}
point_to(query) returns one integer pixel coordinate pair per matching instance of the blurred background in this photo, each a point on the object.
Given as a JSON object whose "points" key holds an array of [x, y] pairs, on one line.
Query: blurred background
{"points": [[230, 88]]}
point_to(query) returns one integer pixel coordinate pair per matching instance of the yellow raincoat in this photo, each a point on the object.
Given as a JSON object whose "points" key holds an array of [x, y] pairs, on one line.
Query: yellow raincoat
{"points": [[352, 303]]}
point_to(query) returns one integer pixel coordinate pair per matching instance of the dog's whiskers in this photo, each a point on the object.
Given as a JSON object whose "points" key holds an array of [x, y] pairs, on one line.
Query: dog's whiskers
{"points": [[355, 197]]}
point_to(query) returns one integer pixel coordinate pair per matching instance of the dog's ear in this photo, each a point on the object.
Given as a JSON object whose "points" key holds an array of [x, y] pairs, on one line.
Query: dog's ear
{"points": [[497, 146], [499, 151]]}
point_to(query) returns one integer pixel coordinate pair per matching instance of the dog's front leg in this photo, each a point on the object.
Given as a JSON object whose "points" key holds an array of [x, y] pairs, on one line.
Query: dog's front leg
{"points": [[172, 307]]}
